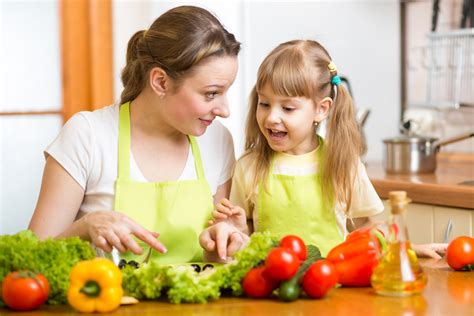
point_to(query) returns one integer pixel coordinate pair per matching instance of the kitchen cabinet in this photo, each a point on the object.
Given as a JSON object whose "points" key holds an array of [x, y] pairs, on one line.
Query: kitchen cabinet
{"points": [[430, 223]]}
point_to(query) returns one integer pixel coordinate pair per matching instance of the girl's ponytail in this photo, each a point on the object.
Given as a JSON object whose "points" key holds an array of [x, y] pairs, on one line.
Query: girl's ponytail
{"points": [[343, 150]]}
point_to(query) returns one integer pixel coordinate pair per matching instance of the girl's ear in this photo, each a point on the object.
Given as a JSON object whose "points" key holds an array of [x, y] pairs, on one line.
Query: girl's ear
{"points": [[322, 109], [159, 81]]}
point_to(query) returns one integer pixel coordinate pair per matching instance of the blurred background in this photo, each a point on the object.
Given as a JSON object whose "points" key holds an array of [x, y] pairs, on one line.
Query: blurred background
{"points": [[405, 61]]}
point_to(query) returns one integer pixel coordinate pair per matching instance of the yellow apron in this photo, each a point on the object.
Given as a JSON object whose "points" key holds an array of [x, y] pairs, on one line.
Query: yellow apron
{"points": [[294, 205], [177, 210]]}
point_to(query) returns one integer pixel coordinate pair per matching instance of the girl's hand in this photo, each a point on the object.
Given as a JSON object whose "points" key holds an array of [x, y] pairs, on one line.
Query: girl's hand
{"points": [[433, 250], [234, 215], [107, 229], [221, 241]]}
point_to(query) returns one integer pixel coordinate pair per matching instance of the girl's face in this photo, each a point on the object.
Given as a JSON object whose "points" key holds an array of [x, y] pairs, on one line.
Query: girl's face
{"points": [[202, 96], [287, 122]]}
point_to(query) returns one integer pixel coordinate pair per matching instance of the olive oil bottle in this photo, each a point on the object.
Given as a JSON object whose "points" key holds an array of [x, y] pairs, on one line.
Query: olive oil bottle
{"points": [[398, 272]]}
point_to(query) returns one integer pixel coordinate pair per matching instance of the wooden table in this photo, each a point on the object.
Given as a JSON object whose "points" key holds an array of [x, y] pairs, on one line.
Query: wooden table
{"points": [[447, 293]]}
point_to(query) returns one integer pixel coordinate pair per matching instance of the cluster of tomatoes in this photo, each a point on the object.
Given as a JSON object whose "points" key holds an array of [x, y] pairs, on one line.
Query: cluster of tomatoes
{"points": [[283, 269]]}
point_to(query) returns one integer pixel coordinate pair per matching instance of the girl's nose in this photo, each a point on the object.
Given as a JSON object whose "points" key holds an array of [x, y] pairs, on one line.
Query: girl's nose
{"points": [[274, 117]]}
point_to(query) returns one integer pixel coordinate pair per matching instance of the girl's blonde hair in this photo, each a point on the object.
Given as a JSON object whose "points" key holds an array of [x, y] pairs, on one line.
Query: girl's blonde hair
{"points": [[178, 40], [300, 69]]}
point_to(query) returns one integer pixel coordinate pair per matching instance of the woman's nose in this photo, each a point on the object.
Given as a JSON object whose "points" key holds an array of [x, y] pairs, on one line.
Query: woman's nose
{"points": [[222, 110]]}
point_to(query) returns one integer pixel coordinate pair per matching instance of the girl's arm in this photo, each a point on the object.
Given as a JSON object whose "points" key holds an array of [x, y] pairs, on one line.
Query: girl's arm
{"points": [[430, 250], [57, 207]]}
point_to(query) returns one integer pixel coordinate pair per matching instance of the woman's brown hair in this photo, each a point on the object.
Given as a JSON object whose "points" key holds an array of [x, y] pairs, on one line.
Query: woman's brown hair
{"points": [[178, 40], [300, 69]]}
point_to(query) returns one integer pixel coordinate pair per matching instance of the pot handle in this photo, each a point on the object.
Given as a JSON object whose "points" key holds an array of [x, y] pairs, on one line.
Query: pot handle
{"points": [[454, 139]]}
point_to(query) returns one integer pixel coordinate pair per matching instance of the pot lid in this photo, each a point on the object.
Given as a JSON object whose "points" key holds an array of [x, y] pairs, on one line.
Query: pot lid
{"points": [[409, 140]]}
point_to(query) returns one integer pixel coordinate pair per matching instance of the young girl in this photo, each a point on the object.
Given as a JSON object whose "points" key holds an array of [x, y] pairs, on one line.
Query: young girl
{"points": [[290, 180], [152, 164]]}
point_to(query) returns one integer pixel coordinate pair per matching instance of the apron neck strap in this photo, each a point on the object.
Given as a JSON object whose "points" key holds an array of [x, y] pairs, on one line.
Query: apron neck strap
{"points": [[124, 146], [197, 157], [124, 142]]}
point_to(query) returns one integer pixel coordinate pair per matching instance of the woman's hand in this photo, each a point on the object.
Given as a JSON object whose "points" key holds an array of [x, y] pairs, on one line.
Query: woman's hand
{"points": [[233, 215], [107, 229], [433, 250], [221, 240]]}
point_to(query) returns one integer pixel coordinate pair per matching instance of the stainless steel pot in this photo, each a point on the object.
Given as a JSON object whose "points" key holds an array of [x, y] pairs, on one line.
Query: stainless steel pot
{"points": [[407, 154]]}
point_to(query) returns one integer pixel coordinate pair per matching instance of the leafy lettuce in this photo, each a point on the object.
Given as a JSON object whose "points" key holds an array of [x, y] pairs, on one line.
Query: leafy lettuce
{"points": [[183, 285], [54, 258]]}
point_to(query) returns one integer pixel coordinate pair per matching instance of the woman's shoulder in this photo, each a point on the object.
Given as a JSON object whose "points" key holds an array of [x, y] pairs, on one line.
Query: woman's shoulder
{"points": [[216, 136], [102, 116]]}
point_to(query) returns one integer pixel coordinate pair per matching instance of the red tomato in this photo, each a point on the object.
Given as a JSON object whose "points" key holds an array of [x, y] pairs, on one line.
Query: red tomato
{"points": [[24, 290], [255, 284], [460, 252], [296, 244], [320, 278], [281, 264]]}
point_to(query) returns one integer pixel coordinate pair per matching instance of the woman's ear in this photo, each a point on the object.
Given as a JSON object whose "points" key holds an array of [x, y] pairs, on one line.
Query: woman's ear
{"points": [[322, 109], [159, 81]]}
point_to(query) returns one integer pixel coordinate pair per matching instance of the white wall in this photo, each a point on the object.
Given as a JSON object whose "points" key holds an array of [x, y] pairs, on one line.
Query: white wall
{"points": [[29, 81], [362, 37]]}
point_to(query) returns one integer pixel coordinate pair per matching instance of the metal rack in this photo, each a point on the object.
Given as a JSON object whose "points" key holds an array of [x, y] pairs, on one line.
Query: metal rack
{"points": [[449, 60]]}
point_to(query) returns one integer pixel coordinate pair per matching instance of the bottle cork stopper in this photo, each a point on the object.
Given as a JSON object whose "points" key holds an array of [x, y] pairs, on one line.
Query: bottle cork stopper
{"points": [[398, 201]]}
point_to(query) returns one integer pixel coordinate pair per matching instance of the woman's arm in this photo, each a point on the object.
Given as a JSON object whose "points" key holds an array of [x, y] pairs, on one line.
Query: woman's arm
{"points": [[57, 207], [58, 204]]}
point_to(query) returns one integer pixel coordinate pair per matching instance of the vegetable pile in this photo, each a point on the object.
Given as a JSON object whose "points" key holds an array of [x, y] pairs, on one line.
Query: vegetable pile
{"points": [[182, 284], [53, 258], [289, 267]]}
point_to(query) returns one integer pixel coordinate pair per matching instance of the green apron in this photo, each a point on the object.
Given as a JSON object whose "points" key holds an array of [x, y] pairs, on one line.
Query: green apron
{"points": [[293, 205], [177, 210]]}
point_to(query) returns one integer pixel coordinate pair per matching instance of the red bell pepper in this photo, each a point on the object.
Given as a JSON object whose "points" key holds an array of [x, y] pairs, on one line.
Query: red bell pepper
{"points": [[356, 258]]}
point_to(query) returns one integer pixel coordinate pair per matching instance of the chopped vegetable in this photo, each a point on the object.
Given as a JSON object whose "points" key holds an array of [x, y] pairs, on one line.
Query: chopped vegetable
{"points": [[54, 258], [96, 285], [184, 284]]}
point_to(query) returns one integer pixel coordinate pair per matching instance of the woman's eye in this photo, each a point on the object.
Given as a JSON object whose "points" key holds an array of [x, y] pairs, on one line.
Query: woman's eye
{"points": [[211, 95]]}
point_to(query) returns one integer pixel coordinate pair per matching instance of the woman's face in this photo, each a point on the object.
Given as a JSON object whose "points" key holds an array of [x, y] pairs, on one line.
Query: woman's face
{"points": [[202, 96]]}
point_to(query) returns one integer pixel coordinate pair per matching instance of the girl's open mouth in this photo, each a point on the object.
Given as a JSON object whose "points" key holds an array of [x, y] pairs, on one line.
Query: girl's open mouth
{"points": [[277, 135]]}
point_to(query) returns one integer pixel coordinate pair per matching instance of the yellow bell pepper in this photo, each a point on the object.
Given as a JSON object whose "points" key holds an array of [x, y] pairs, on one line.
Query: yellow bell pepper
{"points": [[96, 285]]}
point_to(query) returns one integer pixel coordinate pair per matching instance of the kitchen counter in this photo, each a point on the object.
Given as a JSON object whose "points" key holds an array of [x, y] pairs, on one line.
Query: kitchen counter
{"points": [[447, 293], [440, 188]]}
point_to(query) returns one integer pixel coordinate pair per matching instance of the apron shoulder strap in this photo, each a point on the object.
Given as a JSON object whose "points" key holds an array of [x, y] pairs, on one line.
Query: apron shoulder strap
{"points": [[197, 157], [124, 142]]}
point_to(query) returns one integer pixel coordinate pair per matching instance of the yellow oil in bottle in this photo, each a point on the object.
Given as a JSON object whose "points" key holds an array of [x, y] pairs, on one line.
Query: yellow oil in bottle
{"points": [[398, 272]]}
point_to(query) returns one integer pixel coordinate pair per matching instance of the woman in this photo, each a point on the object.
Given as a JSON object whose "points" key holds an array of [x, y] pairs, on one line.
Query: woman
{"points": [[153, 164]]}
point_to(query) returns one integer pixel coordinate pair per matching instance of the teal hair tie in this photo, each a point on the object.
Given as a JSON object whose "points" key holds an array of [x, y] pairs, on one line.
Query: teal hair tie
{"points": [[336, 80]]}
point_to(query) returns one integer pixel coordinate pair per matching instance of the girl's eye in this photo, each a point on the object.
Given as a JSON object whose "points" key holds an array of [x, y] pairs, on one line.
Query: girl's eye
{"points": [[211, 95], [288, 109], [262, 104]]}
